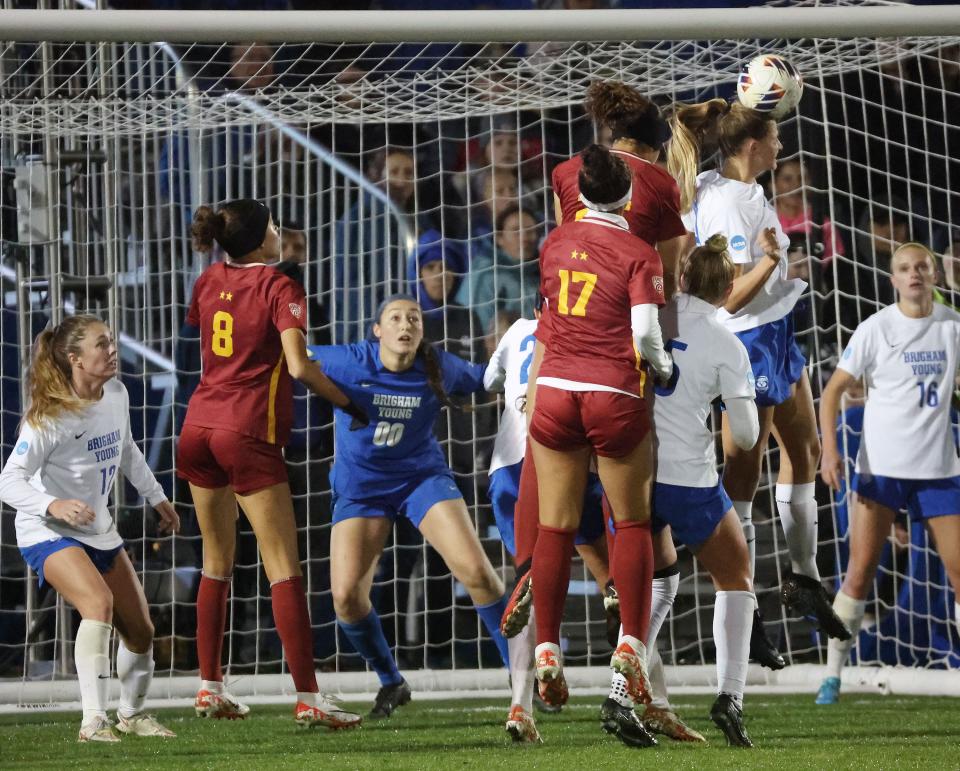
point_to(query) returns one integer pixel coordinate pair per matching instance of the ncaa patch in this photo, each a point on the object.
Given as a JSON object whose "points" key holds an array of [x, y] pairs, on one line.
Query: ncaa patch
{"points": [[848, 352], [762, 383], [23, 447], [739, 243], [296, 310], [658, 284]]}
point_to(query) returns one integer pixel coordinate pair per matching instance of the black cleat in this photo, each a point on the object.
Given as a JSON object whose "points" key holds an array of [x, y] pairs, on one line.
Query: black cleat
{"points": [[762, 650], [625, 725], [389, 697], [727, 715], [805, 596], [611, 610], [541, 706]]}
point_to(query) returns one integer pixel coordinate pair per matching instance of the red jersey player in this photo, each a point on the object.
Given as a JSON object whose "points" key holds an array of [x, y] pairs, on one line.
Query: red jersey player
{"points": [[251, 321], [602, 291], [638, 133]]}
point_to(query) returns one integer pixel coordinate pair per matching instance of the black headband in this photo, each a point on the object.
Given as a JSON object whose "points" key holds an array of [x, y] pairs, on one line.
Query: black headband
{"points": [[247, 235]]}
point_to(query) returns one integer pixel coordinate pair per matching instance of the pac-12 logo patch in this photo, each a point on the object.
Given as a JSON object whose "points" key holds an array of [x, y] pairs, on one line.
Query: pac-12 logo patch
{"points": [[23, 447], [658, 284], [762, 383], [296, 310], [739, 243]]}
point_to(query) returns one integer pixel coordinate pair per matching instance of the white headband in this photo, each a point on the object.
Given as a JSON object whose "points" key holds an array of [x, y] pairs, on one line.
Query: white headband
{"points": [[608, 206]]}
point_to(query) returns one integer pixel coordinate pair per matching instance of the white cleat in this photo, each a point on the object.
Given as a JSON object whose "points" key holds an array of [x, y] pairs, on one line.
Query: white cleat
{"points": [[143, 724], [98, 729], [327, 713], [522, 727], [630, 660], [219, 706]]}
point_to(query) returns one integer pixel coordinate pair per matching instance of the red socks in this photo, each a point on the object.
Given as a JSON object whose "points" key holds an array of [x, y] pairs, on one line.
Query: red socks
{"points": [[633, 568], [526, 513], [551, 579], [293, 625], [211, 619]]}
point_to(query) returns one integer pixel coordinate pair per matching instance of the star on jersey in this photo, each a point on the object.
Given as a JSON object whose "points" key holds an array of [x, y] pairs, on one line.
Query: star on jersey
{"points": [[226, 296], [582, 256]]}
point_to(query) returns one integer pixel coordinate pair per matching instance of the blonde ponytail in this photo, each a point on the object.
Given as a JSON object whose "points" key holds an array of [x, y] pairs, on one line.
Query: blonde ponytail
{"points": [[693, 126], [51, 393]]}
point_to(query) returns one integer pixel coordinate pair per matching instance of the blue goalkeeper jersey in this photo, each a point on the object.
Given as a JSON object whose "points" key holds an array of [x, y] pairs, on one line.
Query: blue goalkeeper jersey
{"points": [[399, 444]]}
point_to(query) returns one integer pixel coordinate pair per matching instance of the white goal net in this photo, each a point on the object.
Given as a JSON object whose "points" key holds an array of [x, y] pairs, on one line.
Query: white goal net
{"points": [[373, 156]]}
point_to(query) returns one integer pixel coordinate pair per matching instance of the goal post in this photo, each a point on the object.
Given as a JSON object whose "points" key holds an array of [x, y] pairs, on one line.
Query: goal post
{"points": [[384, 140]]}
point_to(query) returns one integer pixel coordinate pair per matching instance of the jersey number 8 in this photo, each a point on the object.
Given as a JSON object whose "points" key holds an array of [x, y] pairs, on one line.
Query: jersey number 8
{"points": [[222, 341]]}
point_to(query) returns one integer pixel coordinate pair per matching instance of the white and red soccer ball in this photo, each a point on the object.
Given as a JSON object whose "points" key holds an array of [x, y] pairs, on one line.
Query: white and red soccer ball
{"points": [[770, 84]]}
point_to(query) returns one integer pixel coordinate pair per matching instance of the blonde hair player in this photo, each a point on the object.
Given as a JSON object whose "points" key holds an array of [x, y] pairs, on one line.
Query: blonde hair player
{"points": [[729, 201], [74, 438], [908, 353]]}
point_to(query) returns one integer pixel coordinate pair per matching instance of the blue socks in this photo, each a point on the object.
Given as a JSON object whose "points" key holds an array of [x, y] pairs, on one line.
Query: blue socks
{"points": [[367, 638], [490, 615]]}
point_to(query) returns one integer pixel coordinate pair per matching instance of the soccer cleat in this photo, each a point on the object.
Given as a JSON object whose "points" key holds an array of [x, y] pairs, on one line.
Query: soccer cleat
{"points": [[727, 715], [625, 725], [550, 680], [327, 713], [762, 650], [98, 729], [389, 697], [829, 692], [143, 724], [541, 706], [219, 706], [521, 726], [806, 597], [611, 608], [629, 659], [517, 613], [667, 722]]}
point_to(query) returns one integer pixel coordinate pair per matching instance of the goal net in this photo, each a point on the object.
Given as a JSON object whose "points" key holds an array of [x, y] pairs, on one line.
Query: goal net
{"points": [[378, 158]]}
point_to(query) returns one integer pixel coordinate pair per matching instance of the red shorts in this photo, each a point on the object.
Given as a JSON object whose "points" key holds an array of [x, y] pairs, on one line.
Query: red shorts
{"points": [[612, 423], [215, 457]]}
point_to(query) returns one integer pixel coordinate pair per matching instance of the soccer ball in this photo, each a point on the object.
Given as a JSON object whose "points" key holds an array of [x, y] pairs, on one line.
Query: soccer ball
{"points": [[771, 85]]}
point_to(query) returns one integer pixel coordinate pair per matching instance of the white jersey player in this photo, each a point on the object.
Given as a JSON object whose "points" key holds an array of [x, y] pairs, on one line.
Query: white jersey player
{"points": [[908, 355], [74, 439], [729, 201], [709, 362]]}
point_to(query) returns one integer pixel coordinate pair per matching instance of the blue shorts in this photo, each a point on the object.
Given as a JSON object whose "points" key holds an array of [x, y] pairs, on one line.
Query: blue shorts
{"points": [[693, 513], [923, 498], [775, 358], [505, 488], [37, 554], [412, 501]]}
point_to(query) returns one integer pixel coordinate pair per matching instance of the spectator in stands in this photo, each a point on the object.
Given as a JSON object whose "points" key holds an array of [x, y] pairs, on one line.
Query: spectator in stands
{"points": [[799, 211], [494, 190], [505, 273], [863, 280], [368, 244]]}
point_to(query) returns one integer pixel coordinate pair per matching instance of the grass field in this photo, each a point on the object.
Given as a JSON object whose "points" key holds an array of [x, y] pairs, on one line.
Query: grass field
{"points": [[790, 733]]}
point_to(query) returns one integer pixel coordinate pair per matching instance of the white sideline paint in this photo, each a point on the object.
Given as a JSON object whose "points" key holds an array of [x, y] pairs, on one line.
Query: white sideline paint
{"points": [[431, 685]]}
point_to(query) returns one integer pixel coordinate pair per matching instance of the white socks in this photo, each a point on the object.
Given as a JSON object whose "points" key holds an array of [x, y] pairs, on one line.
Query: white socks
{"points": [[744, 511], [664, 593], [214, 686], [522, 671], [658, 680], [91, 656], [797, 508], [307, 697], [134, 671], [732, 624], [851, 613]]}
